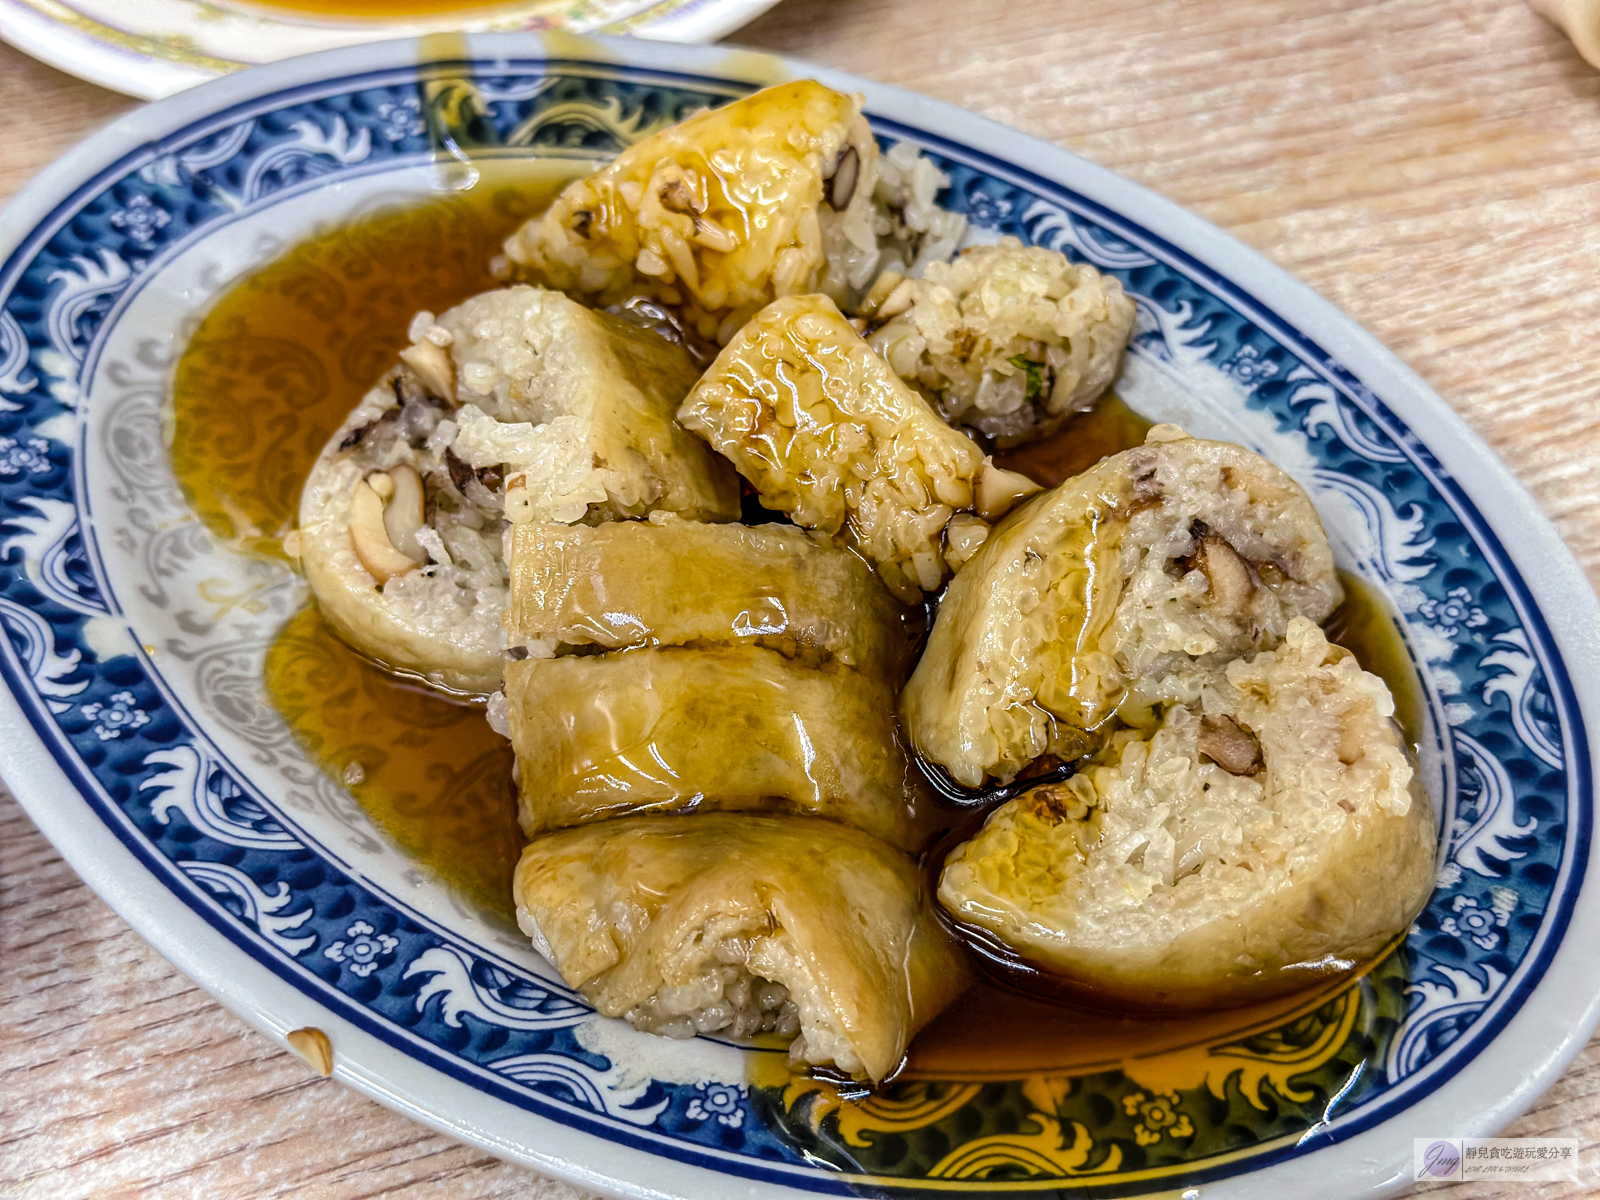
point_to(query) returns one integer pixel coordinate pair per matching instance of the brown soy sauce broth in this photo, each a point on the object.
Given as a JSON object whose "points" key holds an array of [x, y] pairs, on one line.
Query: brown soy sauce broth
{"points": [[1107, 428], [281, 357], [430, 773], [269, 373]]}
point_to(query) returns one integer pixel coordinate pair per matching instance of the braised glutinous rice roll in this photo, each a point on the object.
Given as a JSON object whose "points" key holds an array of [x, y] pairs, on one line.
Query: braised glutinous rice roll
{"points": [[1175, 551], [516, 403], [671, 582], [828, 434], [767, 196], [1267, 831], [742, 925], [913, 230], [1008, 339], [714, 727], [580, 412]]}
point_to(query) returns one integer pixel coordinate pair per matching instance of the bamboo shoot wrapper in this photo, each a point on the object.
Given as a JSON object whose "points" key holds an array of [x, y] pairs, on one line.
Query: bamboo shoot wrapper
{"points": [[723, 212], [670, 582], [515, 405], [1265, 830], [828, 434]]}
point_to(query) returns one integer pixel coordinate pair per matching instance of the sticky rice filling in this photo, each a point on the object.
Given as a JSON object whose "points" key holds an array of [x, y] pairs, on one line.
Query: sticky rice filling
{"points": [[1213, 565], [1007, 340], [1235, 793], [738, 985]]}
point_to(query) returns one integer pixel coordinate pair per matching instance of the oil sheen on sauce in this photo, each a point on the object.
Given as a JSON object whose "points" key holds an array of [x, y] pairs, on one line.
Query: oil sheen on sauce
{"points": [[268, 375], [282, 357], [1087, 437], [430, 773]]}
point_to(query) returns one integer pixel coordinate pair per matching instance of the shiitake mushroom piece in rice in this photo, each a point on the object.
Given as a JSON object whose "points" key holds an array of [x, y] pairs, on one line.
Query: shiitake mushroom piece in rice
{"points": [[715, 216], [1262, 830], [516, 405], [1175, 552]]}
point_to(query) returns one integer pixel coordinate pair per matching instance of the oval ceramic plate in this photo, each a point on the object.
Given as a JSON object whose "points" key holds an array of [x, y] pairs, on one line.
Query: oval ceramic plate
{"points": [[153, 48], [140, 740]]}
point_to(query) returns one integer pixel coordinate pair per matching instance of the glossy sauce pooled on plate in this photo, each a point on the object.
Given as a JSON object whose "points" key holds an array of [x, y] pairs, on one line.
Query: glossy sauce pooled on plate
{"points": [[268, 374], [922, 512], [429, 772], [406, 740], [281, 357]]}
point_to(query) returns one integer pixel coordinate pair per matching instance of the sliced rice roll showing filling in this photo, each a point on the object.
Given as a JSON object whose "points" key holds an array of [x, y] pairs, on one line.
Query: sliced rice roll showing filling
{"points": [[742, 925], [517, 404], [671, 582], [1177, 551], [828, 434], [1008, 340], [738, 727], [1267, 831], [599, 394], [721, 213]]}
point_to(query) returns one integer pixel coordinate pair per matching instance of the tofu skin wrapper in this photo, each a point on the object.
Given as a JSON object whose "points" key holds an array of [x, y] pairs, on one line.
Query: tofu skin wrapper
{"points": [[734, 924], [714, 728], [828, 434], [1267, 832], [671, 582], [767, 196], [515, 402], [1178, 551]]}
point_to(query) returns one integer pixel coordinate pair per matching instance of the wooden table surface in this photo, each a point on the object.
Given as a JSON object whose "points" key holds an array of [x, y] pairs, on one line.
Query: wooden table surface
{"points": [[1432, 166]]}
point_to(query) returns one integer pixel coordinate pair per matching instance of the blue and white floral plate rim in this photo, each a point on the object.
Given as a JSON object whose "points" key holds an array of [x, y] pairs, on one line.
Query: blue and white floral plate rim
{"points": [[144, 753]]}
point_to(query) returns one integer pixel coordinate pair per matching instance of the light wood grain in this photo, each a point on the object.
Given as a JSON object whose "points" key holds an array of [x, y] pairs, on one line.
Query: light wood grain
{"points": [[1432, 166]]}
